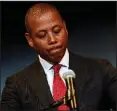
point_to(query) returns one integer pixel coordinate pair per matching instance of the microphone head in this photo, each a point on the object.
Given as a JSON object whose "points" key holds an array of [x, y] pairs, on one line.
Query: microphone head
{"points": [[69, 73]]}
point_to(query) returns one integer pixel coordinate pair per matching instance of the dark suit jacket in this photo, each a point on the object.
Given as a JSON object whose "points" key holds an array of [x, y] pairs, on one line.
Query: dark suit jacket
{"points": [[95, 86]]}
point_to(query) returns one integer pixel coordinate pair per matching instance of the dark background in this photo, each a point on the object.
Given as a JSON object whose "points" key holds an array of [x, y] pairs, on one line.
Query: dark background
{"points": [[91, 26]]}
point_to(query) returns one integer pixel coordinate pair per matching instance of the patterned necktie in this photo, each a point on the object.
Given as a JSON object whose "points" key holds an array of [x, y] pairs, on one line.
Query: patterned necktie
{"points": [[59, 88]]}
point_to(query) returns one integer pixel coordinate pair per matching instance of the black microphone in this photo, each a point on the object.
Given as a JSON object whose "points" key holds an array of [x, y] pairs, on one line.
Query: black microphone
{"points": [[55, 104], [69, 77]]}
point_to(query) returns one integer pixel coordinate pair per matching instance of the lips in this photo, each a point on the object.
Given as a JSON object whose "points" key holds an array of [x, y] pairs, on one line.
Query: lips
{"points": [[55, 50]]}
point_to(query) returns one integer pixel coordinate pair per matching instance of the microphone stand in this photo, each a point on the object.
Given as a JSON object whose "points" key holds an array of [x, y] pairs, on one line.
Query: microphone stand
{"points": [[71, 92]]}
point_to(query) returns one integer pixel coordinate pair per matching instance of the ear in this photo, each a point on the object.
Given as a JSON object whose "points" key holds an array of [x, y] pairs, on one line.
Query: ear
{"points": [[29, 39], [65, 27]]}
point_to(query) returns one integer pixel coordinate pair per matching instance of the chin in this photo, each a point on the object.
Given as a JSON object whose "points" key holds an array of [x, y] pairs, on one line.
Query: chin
{"points": [[57, 59]]}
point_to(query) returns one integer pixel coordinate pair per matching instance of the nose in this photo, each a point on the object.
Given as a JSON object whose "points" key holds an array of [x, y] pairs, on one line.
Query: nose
{"points": [[52, 39]]}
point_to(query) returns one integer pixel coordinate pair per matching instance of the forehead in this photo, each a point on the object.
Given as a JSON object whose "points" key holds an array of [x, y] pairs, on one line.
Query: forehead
{"points": [[46, 20]]}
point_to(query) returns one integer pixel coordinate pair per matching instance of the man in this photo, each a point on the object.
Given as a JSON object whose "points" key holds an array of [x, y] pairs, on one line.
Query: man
{"points": [[38, 86]]}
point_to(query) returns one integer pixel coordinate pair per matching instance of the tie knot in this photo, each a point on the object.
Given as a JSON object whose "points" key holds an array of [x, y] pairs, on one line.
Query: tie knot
{"points": [[56, 68]]}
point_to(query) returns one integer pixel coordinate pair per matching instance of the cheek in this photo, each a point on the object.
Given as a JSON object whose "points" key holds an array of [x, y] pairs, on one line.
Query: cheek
{"points": [[40, 45], [64, 39]]}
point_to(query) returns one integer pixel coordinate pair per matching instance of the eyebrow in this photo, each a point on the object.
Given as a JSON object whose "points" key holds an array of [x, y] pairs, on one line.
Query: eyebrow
{"points": [[56, 26], [40, 31], [44, 30]]}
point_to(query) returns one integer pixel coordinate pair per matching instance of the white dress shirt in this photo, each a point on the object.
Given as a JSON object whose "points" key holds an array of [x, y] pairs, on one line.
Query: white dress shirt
{"points": [[50, 72]]}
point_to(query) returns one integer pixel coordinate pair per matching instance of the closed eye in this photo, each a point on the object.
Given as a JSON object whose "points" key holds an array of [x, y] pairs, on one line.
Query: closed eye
{"points": [[41, 34]]}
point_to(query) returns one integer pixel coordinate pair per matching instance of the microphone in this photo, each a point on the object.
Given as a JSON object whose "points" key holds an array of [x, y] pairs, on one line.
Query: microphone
{"points": [[69, 77], [70, 97], [55, 104]]}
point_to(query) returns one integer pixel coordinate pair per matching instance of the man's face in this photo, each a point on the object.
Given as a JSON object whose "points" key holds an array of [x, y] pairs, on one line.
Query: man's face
{"points": [[48, 36]]}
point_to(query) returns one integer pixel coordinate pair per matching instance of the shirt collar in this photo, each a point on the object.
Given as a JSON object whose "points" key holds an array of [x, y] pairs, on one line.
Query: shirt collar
{"points": [[64, 61]]}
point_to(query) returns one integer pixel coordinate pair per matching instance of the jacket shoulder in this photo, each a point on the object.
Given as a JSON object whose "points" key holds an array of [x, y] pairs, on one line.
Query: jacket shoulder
{"points": [[23, 73]]}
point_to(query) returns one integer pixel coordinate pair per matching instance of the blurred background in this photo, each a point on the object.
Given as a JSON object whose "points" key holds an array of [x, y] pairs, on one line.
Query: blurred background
{"points": [[91, 26]]}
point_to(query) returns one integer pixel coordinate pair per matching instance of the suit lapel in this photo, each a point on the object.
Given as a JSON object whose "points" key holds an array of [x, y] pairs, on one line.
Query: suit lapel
{"points": [[78, 66], [39, 85]]}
